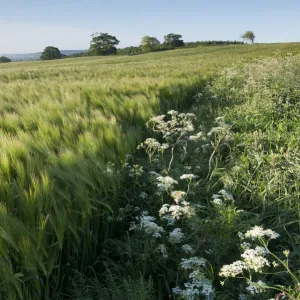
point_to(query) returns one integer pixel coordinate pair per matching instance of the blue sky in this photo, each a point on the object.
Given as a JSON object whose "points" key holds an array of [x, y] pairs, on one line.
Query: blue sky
{"points": [[31, 25]]}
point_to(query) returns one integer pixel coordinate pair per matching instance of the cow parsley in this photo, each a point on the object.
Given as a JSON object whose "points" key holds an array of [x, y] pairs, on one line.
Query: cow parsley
{"points": [[176, 236]]}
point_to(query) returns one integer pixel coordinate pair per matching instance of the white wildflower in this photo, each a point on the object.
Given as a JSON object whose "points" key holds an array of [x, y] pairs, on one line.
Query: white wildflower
{"points": [[178, 196], [254, 260], [245, 245], [150, 143], [226, 195], [209, 251], [190, 127], [164, 146], [261, 250], [173, 112], [198, 283], [158, 119], [162, 249], [191, 263], [220, 119], [256, 288], [136, 171], [176, 211], [241, 235], [217, 202], [258, 232], [187, 210], [164, 209], [197, 137], [143, 195], [188, 249], [286, 253], [149, 226], [188, 176], [233, 269], [275, 264], [176, 236], [176, 291], [165, 183]]}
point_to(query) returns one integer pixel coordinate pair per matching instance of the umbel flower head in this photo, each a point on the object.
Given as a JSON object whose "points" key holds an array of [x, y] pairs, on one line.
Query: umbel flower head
{"points": [[165, 183], [188, 176], [258, 232]]}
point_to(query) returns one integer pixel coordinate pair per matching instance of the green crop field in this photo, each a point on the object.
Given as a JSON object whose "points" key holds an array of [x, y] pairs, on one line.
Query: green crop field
{"points": [[66, 127]]}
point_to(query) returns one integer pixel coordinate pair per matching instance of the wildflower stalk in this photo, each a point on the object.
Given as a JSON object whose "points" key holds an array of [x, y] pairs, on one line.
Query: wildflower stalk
{"points": [[173, 148], [278, 259]]}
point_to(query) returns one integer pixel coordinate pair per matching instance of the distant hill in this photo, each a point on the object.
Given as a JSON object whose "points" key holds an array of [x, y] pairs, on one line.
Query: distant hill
{"points": [[37, 55]]}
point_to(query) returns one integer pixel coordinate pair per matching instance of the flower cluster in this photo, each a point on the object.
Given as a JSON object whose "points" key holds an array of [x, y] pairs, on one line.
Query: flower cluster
{"points": [[187, 249], [162, 249], [176, 236], [148, 225], [188, 177], [197, 137], [222, 197], [256, 288], [165, 183], [198, 283], [136, 171], [191, 263], [254, 259], [177, 211], [258, 232], [152, 146], [233, 269], [178, 125]]}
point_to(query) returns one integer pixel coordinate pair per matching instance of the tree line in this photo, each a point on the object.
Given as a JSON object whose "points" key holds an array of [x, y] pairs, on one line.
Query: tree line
{"points": [[4, 59], [106, 44]]}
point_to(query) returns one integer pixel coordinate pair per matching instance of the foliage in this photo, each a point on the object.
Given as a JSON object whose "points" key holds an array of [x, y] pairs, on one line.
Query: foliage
{"points": [[130, 51], [103, 44], [4, 59], [182, 231], [81, 54], [51, 53], [249, 36], [111, 287], [256, 259], [174, 40], [211, 43], [64, 207], [149, 43]]}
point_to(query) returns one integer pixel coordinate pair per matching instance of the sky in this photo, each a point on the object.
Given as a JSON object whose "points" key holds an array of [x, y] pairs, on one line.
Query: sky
{"points": [[28, 26]]}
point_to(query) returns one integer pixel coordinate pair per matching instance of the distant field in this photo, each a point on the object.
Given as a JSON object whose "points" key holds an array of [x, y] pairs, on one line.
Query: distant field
{"points": [[61, 122]]}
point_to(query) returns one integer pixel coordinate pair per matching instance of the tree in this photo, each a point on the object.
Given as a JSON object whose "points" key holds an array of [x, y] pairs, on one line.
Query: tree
{"points": [[4, 59], [103, 44], [51, 53], [248, 36], [149, 43], [174, 40]]}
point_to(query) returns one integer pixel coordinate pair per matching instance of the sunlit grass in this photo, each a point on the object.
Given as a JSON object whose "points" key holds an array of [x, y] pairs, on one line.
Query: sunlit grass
{"points": [[61, 122]]}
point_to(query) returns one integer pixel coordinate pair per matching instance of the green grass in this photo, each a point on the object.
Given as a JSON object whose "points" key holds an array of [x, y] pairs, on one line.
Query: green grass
{"points": [[61, 122]]}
